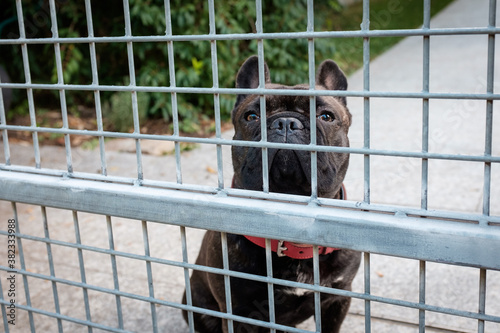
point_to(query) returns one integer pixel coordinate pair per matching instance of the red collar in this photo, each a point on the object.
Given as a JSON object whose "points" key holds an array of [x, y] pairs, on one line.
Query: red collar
{"points": [[293, 250], [289, 249]]}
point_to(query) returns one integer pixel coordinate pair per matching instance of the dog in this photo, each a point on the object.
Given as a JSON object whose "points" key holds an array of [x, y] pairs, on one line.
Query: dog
{"points": [[287, 121]]}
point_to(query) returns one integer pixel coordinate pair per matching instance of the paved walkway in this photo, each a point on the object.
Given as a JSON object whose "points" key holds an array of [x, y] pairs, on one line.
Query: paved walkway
{"points": [[458, 64]]}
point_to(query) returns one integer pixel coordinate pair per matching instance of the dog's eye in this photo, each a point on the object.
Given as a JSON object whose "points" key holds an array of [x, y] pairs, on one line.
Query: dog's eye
{"points": [[251, 116], [327, 116]]}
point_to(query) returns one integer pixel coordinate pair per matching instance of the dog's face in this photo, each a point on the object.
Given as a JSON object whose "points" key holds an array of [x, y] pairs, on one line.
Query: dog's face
{"points": [[288, 121]]}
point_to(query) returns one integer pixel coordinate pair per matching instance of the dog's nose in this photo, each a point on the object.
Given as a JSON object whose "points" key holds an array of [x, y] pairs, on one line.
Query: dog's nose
{"points": [[286, 125]]}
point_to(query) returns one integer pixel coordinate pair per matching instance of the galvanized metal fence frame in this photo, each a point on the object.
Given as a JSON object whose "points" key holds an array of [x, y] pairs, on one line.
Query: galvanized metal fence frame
{"points": [[362, 226]]}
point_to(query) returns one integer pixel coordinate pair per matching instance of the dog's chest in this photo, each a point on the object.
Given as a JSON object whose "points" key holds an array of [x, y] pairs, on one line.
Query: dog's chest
{"points": [[298, 271], [305, 275], [299, 292]]}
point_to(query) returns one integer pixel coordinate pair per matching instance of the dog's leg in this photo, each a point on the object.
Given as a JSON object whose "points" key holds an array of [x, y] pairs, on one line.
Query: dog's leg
{"points": [[207, 290], [333, 312], [202, 297]]}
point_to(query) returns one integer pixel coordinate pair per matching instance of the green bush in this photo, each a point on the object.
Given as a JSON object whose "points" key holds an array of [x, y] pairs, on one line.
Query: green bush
{"points": [[118, 110], [287, 58]]}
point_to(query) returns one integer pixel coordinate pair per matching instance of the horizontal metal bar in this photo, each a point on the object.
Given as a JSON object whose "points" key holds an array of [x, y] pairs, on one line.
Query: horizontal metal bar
{"points": [[208, 269], [149, 300], [256, 91], [257, 36], [475, 245], [66, 318], [259, 144], [186, 265], [263, 279], [211, 190]]}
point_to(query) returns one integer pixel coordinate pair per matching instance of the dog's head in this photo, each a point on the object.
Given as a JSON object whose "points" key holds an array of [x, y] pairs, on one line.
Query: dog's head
{"points": [[288, 121]]}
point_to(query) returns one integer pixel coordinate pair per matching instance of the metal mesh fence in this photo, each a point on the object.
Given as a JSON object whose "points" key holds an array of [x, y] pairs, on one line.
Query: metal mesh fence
{"points": [[74, 296]]}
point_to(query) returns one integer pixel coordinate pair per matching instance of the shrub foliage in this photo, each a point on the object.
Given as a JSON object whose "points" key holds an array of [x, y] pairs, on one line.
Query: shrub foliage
{"points": [[287, 58]]}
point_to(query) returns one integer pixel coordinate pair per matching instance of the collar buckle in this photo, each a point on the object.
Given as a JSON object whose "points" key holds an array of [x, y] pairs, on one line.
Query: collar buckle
{"points": [[281, 248]]}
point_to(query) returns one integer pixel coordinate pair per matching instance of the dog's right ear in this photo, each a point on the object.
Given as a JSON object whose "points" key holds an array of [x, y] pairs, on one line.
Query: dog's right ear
{"points": [[248, 77], [331, 77]]}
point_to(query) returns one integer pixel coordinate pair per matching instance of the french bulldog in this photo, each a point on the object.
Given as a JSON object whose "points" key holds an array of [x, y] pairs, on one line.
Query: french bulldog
{"points": [[287, 121]]}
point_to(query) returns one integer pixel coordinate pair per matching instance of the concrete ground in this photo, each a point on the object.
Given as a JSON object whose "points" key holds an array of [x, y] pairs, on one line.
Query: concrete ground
{"points": [[458, 64]]}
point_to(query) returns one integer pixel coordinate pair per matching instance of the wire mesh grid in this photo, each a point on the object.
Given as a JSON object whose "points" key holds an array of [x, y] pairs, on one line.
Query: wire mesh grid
{"points": [[76, 298]]}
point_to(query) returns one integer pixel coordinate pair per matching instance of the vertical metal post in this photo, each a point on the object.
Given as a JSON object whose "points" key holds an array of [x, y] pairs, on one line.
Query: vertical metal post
{"points": [[312, 100], [421, 298], [425, 148], [135, 106], [489, 107], [27, 75], [115, 271], [270, 286], [425, 104], [227, 281], [314, 155], [95, 82], [145, 238], [4, 312], [60, 80], [51, 267], [189, 299], [317, 294], [82, 270], [23, 266], [5, 133], [365, 27], [171, 72], [368, 322], [482, 298], [262, 85], [215, 79]]}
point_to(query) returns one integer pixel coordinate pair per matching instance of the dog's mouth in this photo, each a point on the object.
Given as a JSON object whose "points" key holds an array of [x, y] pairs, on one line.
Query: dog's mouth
{"points": [[289, 171]]}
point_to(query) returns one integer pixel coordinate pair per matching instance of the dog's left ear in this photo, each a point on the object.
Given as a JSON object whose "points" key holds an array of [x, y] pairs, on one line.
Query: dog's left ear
{"points": [[248, 77], [331, 77]]}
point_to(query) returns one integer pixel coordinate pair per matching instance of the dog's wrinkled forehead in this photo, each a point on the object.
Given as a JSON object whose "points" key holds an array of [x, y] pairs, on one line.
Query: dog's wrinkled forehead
{"points": [[276, 103]]}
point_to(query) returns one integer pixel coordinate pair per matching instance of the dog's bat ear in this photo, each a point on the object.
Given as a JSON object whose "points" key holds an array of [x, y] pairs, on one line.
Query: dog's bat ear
{"points": [[331, 77], [248, 76]]}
